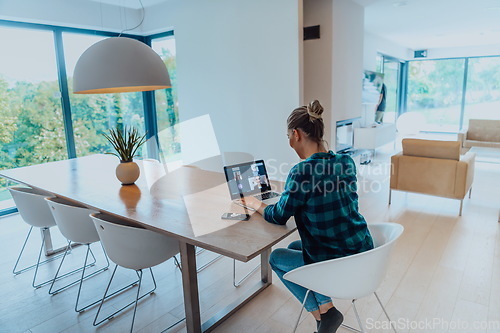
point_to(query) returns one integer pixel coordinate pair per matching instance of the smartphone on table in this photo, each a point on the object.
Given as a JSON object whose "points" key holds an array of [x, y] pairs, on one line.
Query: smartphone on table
{"points": [[235, 216]]}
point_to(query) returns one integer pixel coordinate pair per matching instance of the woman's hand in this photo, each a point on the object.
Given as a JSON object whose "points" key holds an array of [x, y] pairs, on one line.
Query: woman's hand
{"points": [[253, 203]]}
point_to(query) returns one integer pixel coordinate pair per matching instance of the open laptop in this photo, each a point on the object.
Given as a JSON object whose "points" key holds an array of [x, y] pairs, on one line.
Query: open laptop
{"points": [[250, 179]]}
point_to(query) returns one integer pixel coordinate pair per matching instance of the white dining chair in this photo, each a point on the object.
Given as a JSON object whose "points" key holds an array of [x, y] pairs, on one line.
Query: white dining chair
{"points": [[34, 211], [131, 246], [354, 276], [75, 224]]}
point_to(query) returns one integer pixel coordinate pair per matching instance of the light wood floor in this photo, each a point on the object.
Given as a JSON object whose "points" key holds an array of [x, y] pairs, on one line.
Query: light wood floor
{"points": [[445, 270]]}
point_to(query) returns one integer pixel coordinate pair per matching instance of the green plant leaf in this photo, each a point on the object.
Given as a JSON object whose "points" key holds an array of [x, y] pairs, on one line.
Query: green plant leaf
{"points": [[125, 142]]}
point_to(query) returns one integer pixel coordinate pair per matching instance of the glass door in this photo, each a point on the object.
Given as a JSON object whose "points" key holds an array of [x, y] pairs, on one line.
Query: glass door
{"points": [[391, 68]]}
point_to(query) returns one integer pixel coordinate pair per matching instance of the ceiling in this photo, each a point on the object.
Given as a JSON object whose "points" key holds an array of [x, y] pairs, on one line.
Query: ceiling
{"points": [[423, 24], [132, 4], [415, 24]]}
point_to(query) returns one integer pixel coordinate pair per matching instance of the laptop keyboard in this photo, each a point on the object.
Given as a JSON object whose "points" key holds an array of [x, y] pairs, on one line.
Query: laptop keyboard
{"points": [[267, 195]]}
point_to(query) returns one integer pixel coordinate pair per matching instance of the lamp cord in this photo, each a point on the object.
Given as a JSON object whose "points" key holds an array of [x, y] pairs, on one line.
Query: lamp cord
{"points": [[142, 20]]}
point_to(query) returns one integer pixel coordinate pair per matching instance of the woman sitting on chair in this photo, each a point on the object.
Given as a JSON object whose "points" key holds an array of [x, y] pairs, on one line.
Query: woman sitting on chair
{"points": [[320, 192]]}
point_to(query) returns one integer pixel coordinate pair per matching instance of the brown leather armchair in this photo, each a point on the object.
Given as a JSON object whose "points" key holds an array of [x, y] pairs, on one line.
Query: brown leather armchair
{"points": [[433, 167]]}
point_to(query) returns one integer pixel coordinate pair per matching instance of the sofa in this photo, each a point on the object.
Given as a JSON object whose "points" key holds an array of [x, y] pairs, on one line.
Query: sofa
{"points": [[480, 133], [432, 167]]}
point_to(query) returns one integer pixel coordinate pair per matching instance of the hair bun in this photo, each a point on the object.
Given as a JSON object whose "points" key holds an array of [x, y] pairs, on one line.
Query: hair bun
{"points": [[315, 110]]}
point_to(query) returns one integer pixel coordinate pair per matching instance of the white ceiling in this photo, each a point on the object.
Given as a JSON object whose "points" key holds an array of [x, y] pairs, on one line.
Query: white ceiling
{"points": [[423, 24], [415, 24], [132, 4]]}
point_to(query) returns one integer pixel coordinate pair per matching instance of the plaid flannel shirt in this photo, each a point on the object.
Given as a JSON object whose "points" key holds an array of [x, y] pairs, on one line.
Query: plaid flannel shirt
{"points": [[320, 193]]}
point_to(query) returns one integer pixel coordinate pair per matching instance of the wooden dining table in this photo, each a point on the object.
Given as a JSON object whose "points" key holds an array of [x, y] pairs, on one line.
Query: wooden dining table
{"points": [[185, 203]]}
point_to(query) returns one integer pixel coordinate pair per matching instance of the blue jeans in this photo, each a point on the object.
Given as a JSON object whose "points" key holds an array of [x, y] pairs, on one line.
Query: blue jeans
{"points": [[283, 261]]}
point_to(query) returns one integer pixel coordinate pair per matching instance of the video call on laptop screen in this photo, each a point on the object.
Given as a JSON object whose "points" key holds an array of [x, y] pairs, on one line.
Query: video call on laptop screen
{"points": [[247, 179]]}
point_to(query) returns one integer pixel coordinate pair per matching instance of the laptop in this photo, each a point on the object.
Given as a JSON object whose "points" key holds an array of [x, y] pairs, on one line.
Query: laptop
{"points": [[250, 179]]}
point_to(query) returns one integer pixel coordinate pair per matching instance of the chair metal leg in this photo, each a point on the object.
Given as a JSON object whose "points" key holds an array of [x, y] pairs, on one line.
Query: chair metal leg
{"points": [[177, 263], [103, 298], [390, 196], [301, 310], [36, 286], [32, 266], [58, 277], [95, 323], [136, 299], [461, 205], [21, 253], [383, 308], [350, 328], [81, 279], [237, 284], [202, 267], [58, 269], [357, 316], [470, 192], [88, 276]]}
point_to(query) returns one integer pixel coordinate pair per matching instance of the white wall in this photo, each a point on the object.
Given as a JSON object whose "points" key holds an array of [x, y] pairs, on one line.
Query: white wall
{"points": [[374, 44], [318, 58], [237, 61], [72, 13], [347, 57], [333, 64]]}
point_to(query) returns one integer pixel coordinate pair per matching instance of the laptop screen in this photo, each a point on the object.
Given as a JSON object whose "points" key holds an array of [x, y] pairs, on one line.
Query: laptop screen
{"points": [[247, 179]]}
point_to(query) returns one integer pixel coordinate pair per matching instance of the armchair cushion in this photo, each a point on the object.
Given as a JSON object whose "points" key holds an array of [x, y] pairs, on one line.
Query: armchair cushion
{"points": [[484, 130], [474, 143], [432, 167], [431, 148]]}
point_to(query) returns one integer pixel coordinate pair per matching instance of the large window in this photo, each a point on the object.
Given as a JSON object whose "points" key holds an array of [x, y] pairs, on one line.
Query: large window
{"points": [[94, 114], [32, 129], [166, 100], [36, 99], [482, 99], [435, 89]]}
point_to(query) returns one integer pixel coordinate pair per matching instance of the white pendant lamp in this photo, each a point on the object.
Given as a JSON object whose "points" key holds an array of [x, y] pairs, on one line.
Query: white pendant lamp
{"points": [[119, 64]]}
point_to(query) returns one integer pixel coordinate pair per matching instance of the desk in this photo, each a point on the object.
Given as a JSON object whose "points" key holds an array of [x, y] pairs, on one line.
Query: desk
{"points": [[185, 204]]}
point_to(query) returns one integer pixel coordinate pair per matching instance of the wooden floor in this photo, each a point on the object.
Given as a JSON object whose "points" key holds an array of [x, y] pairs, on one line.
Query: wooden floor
{"points": [[444, 274]]}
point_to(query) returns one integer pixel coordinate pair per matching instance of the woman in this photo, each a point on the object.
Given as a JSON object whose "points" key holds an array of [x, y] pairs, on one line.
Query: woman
{"points": [[320, 192]]}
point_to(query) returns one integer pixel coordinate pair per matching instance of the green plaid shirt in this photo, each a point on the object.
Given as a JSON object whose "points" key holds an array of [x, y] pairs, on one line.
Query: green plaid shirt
{"points": [[320, 193]]}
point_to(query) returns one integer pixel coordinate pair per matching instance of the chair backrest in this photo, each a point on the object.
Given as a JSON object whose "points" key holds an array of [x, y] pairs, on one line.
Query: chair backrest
{"points": [[484, 130], [73, 221], [432, 148], [354, 276], [32, 207], [132, 246]]}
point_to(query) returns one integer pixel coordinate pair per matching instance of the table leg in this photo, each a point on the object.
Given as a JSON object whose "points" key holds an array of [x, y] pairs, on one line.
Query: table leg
{"points": [[191, 296], [49, 249], [265, 269], [190, 288], [47, 241], [246, 297]]}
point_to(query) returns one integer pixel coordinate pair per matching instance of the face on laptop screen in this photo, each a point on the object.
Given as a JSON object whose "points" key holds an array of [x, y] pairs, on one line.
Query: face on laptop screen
{"points": [[247, 178]]}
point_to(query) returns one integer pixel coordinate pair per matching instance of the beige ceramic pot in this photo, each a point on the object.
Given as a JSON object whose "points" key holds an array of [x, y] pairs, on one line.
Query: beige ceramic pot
{"points": [[127, 172]]}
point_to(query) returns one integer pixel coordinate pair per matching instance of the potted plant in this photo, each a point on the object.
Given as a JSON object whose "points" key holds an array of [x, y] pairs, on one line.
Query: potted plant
{"points": [[126, 141]]}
